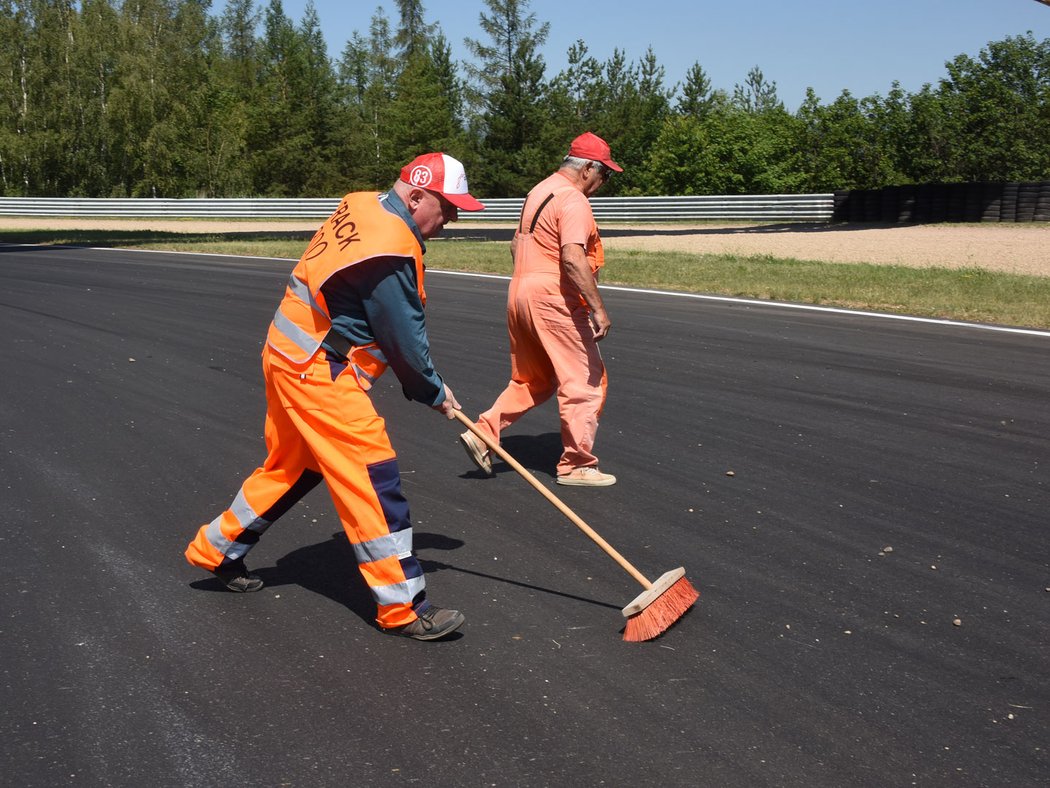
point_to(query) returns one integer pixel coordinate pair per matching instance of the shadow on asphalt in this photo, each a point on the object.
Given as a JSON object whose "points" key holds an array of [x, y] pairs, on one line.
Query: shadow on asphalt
{"points": [[329, 568], [438, 566], [537, 453]]}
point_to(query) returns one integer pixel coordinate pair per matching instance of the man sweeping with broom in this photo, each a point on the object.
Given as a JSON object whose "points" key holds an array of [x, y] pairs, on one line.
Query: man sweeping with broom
{"points": [[353, 306]]}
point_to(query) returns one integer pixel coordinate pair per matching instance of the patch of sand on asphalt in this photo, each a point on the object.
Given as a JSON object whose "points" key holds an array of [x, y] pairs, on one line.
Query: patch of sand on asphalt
{"points": [[1014, 248]]}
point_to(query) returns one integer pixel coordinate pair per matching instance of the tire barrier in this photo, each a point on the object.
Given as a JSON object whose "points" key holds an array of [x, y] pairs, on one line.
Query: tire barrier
{"points": [[1027, 194], [906, 203], [1008, 206], [991, 200], [929, 203], [1042, 204]]}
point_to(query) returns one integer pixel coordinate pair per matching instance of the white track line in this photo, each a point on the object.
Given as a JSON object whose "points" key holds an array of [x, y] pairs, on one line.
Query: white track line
{"points": [[788, 305], [697, 296]]}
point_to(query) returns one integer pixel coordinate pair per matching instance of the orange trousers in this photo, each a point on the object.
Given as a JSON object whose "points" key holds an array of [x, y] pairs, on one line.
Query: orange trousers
{"points": [[321, 424], [552, 349]]}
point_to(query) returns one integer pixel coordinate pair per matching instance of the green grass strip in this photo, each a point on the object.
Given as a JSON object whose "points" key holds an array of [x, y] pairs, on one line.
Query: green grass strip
{"points": [[968, 294]]}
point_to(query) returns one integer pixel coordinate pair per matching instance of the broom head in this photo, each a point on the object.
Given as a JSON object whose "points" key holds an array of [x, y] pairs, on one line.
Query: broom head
{"points": [[657, 608]]}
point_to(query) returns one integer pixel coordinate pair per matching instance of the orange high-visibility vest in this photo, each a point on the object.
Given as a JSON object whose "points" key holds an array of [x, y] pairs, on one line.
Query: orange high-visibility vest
{"points": [[360, 229]]}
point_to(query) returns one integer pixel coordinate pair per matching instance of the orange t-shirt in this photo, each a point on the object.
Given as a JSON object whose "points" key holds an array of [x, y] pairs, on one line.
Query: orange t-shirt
{"points": [[565, 219]]}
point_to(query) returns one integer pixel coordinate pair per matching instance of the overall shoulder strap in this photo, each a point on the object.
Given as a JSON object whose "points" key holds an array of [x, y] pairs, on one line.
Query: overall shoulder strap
{"points": [[535, 216]]}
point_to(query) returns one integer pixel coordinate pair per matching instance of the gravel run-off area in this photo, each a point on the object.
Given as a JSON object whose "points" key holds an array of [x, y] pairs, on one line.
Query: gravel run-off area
{"points": [[1014, 248]]}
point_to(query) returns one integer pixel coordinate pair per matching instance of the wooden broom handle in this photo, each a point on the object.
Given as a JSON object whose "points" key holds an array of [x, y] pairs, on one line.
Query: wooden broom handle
{"points": [[554, 499]]}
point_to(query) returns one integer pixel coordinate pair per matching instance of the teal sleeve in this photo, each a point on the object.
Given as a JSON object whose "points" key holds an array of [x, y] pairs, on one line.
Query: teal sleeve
{"points": [[378, 301]]}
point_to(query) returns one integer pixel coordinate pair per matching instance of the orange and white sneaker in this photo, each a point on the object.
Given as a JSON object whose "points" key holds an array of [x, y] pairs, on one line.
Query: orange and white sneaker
{"points": [[477, 451], [587, 477]]}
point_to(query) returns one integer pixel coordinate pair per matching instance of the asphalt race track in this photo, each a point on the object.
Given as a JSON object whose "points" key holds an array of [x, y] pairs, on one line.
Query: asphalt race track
{"points": [[776, 454]]}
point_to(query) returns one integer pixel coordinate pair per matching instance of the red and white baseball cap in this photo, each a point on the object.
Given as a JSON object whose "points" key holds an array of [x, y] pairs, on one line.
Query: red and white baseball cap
{"points": [[438, 172], [591, 146]]}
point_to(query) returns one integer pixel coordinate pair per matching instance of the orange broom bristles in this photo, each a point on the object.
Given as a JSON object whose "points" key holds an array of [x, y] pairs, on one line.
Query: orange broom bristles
{"points": [[662, 612]]}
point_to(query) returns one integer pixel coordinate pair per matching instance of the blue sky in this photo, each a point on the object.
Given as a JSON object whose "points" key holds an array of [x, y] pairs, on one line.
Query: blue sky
{"points": [[829, 45]]}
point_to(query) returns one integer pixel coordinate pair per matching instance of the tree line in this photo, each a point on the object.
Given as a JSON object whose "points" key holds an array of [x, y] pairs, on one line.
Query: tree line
{"points": [[164, 98]]}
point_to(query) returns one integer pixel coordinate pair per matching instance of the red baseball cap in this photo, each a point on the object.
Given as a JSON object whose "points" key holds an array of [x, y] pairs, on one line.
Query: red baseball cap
{"points": [[591, 146], [439, 172]]}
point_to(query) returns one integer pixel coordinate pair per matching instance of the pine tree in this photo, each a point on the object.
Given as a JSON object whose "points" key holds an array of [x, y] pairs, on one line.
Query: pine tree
{"points": [[413, 33], [14, 153], [508, 98], [579, 90], [45, 82], [295, 118], [141, 110], [423, 112], [697, 99], [176, 163], [637, 123], [757, 95], [238, 26], [97, 53]]}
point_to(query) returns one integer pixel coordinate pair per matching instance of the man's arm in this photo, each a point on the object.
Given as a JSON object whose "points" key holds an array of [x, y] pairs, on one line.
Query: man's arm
{"points": [[574, 264], [396, 314], [378, 301]]}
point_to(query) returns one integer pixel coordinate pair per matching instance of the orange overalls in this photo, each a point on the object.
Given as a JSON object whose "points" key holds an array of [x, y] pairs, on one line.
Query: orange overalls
{"points": [[320, 425], [552, 345]]}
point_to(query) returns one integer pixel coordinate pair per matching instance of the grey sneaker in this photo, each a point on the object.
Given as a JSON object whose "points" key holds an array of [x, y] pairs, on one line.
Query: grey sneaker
{"points": [[237, 578], [435, 622], [477, 451], [586, 477]]}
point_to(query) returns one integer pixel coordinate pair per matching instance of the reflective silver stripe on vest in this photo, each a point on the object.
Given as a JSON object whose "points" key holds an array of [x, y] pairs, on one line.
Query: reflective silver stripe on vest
{"points": [[375, 353], [301, 291], [362, 375], [398, 593], [301, 339], [246, 518], [397, 544]]}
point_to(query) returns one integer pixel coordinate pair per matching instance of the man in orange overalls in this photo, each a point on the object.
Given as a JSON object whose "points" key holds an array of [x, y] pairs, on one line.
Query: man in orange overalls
{"points": [[352, 307], [555, 315]]}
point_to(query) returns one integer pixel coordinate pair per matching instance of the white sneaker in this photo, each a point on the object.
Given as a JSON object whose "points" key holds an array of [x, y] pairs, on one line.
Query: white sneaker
{"points": [[587, 477], [477, 451]]}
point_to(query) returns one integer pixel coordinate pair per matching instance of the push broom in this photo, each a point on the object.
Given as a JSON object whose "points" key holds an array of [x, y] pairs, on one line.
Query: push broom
{"points": [[661, 603]]}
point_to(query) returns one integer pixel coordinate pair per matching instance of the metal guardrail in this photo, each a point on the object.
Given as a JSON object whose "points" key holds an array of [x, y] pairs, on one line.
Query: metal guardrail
{"points": [[118, 207], [783, 207], [787, 207]]}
